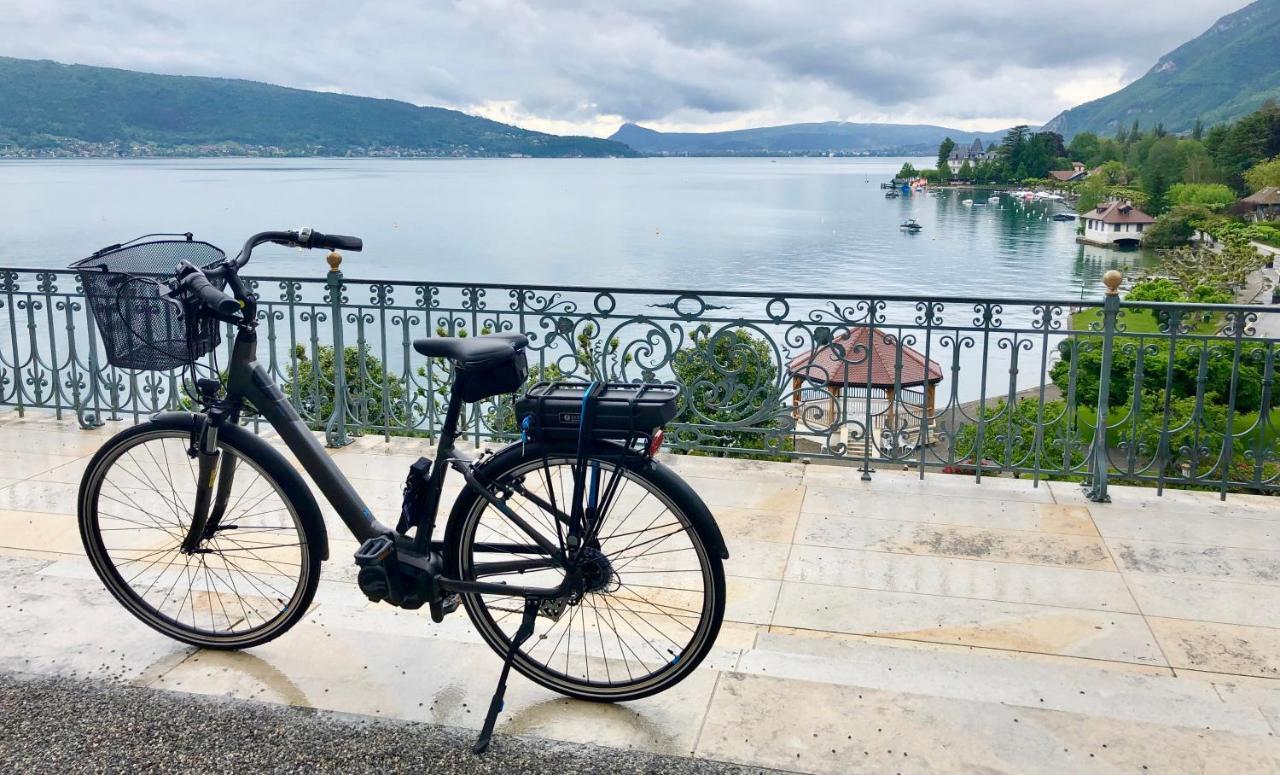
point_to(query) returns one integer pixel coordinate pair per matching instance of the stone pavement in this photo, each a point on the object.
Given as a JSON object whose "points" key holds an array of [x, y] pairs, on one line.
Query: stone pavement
{"points": [[901, 625]]}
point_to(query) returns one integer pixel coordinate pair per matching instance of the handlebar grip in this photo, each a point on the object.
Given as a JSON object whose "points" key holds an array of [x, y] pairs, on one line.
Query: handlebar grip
{"points": [[336, 242], [209, 295]]}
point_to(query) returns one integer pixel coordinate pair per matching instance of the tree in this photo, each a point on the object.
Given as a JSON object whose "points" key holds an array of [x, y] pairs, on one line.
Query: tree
{"points": [[1114, 173], [907, 172], [944, 152], [1212, 195], [1176, 227], [1238, 147], [1084, 147], [1014, 437], [1263, 174], [730, 378], [1197, 132], [375, 396], [1135, 133], [966, 171], [1091, 193], [1226, 268]]}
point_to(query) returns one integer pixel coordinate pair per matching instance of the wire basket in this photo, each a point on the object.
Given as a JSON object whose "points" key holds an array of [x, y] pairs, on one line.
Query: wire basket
{"points": [[142, 328]]}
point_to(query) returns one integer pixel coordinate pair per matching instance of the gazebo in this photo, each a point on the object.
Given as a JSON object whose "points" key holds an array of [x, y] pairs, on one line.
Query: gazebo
{"points": [[866, 364]]}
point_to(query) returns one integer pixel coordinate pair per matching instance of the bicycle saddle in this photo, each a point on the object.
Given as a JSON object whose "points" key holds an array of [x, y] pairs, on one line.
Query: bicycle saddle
{"points": [[473, 352]]}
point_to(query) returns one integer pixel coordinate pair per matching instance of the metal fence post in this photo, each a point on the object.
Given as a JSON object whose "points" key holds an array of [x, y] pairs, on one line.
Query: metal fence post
{"points": [[1099, 462], [335, 430]]}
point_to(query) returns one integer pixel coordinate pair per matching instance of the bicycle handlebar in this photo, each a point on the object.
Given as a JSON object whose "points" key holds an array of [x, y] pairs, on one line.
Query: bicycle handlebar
{"points": [[194, 281], [302, 238]]}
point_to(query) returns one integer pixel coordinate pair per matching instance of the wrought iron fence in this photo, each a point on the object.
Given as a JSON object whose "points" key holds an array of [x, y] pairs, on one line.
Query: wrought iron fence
{"points": [[1092, 390]]}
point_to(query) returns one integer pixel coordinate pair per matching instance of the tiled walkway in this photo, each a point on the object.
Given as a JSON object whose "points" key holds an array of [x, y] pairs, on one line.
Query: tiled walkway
{"points": [[901, 625]]}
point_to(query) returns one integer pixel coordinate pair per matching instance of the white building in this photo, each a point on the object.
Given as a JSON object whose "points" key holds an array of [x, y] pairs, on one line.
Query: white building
{"points": [[973, 154], [1115, 223]]}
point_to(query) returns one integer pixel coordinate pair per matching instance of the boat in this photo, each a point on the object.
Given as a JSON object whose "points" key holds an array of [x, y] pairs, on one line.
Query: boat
{"points": [[993, 199], [1064, 216], [967, 202], [910, 225], [892, 194]]}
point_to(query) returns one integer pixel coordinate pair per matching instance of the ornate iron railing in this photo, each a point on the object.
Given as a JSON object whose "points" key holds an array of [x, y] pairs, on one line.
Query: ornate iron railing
{"points": [[1095, 390]]}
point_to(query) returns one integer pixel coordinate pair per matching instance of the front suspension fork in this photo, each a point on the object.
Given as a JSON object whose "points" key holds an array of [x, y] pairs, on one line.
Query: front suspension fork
{"points": [[215, 476]]}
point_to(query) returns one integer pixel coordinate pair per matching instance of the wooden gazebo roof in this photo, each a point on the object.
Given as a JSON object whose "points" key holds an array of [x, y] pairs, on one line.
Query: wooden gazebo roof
{"points": [[844, 362]]}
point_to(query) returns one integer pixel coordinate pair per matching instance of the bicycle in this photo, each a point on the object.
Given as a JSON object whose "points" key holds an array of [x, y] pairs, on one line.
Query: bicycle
{"points": [[206, 533]]}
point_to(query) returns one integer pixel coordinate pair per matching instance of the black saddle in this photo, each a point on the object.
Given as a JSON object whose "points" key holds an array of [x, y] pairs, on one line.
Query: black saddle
{"points": [[486, 365], [473, 352]]}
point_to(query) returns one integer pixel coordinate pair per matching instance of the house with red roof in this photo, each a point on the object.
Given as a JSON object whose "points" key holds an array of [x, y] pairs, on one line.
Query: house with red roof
{"points": [[1115, 223]]}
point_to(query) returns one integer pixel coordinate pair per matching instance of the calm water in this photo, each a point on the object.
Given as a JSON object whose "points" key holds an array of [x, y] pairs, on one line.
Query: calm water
{"points": [[742, 224]]}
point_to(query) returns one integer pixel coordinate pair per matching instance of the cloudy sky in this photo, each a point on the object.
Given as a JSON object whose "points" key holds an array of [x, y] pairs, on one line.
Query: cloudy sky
{"points": [[585, 67]]}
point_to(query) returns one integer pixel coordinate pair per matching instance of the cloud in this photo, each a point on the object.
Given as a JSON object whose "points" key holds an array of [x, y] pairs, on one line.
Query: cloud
{"points": [[698, 64]]}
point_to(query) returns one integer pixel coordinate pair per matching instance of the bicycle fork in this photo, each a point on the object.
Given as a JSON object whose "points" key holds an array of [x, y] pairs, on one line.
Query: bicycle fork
{"points": [[213, 469]]}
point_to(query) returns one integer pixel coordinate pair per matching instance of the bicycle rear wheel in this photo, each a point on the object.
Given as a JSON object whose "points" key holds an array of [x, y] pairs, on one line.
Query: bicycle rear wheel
{"points": [[246, 584], [655, 594]]}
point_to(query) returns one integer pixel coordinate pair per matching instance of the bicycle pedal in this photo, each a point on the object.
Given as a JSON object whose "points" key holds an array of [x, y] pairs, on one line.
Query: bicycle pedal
{"points": [[445, 606]]}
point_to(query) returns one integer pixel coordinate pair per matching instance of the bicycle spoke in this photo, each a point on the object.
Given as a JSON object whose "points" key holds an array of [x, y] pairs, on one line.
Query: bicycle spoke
{"points": [[618, 633], [243, 578]]}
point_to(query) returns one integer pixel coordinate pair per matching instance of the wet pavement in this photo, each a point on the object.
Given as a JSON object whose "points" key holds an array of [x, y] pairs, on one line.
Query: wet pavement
{"points": [[900, 625]]}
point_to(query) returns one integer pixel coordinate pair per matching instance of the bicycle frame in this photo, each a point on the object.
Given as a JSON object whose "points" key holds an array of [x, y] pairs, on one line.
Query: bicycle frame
{"points": [[248, 382]]}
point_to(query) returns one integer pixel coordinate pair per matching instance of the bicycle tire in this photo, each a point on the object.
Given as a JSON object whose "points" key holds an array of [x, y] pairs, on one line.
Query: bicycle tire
{"points": [[269, 466], [685, 507]]}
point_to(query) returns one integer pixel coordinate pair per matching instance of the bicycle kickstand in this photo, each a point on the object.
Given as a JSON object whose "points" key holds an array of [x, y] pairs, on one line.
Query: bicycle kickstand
{"points": [[495, 705]]}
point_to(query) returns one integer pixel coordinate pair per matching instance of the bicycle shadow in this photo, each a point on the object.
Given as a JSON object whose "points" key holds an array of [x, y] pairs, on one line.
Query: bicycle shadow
{"points": [[236, 673]]}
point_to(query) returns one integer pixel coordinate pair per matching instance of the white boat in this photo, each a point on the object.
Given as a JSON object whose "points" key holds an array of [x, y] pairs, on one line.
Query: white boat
{"points": [[993, 199], [967, 202]]}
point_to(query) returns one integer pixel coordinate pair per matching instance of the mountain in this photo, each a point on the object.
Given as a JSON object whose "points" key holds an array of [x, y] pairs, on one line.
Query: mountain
{"points": [[54, 109], [826, 137], [1226, 73]]}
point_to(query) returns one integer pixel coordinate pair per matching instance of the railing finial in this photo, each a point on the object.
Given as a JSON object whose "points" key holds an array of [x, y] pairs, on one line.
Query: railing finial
{"points": [[1112, 280], [335, 260]]}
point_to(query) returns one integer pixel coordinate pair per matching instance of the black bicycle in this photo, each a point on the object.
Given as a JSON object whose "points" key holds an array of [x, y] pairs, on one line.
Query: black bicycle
{"points": [[574, 533]]}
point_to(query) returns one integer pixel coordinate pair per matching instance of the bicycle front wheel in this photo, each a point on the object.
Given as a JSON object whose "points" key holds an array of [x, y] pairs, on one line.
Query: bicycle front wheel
{"points": [[655, 591], [247, 583]]}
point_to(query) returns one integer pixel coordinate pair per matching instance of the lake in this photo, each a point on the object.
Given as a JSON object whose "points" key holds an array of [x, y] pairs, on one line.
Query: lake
{"points": [[742, 224]]}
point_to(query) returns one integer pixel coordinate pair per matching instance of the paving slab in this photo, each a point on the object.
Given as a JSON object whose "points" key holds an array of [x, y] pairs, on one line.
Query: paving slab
{"points": [[824, 728], [1219, 648], [1255, 566], [56, 625], [1187, 528], [1128, 692], [951, 510], [965, 578], [769, 496], [1042, 629], [904, 537], [1208, 600], [758, 524], [934, 483]]}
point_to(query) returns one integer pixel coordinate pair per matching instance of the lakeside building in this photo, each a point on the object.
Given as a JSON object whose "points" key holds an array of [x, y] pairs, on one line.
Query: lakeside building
{"points": [[974, 154], [1262, 205], [1115, 223], [1077, 172]]}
